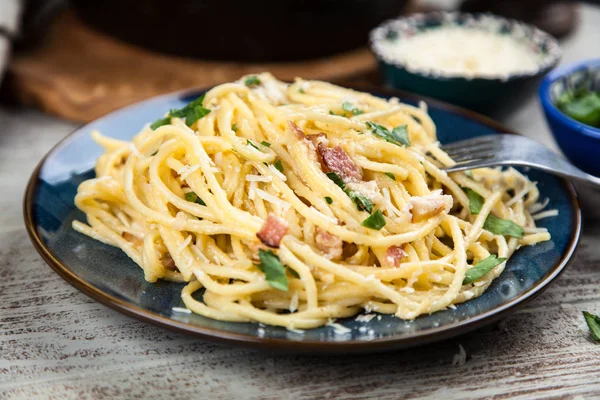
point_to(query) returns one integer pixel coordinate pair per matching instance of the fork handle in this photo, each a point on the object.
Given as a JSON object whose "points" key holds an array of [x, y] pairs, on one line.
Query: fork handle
{"points": [[568, 170]]}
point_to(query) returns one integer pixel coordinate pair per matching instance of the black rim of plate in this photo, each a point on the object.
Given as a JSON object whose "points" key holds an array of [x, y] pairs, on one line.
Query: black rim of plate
{"points": [[303, 346]]}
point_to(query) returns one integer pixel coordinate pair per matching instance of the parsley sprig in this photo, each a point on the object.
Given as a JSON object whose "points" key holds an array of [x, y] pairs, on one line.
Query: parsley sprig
{"points": [[397, 136], [593, 322], [274, 270], [497, 226], [374, 221], [482, 268], [191, 112]]}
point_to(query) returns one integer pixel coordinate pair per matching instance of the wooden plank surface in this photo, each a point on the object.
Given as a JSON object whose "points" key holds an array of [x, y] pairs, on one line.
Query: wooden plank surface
{"points": [[56, 343], [80, 74]]}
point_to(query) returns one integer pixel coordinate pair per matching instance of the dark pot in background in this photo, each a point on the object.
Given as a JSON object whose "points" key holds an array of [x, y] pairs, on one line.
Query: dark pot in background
{"points": [[258, 30]]}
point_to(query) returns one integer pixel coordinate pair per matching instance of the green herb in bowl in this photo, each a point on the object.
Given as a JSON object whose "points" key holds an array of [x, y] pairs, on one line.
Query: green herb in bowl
{"points": [[582, 105]]}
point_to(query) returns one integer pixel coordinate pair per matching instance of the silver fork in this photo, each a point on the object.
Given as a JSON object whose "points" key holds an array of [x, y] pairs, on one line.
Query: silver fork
{"points": [[508, 149]]}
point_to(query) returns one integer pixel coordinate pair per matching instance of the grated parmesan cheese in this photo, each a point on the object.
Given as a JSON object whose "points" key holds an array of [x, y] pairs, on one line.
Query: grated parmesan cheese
{"points": [[339, 329], [258, 178], [452, 51], [187, 170], [461, 357], [184, 244], [276, 172], [180, 220], [365, 317], [273, 199], [545, 214], [181, 310], [294, 302]]}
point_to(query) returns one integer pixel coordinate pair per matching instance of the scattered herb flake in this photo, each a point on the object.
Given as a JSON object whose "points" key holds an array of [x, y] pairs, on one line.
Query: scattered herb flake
{"points": [[252, 81], [279, 166], [273, 269], [362, 202], [390, 175], [300, 90], [193, 197], [328, 199], [374, 221], [469, 174], [234, 127], [160, 122], [249, 143], [502, 227], [351, 108], [593, 322], [482, 268], [337, 180], [266, 144]]}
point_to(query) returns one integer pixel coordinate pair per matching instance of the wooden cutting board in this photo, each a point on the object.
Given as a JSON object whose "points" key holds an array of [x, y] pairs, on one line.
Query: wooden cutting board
{"points": [[80, 74]]}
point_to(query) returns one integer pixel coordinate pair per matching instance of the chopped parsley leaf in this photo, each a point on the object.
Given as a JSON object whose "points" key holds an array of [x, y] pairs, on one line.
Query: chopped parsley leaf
{"points": [[390, 175], [279, 166], [252, 81], [593, 322], [351, 108], [397, 136], [328, 199], [266, 144], [482, 268], [273, 269], [234, 127], [249, 143], [374, 221], [502, 227], [193, 197], [160, 122]]}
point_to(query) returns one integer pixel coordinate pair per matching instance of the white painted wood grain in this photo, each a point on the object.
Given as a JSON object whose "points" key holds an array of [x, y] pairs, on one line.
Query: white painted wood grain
{"points": [[55, 343]]}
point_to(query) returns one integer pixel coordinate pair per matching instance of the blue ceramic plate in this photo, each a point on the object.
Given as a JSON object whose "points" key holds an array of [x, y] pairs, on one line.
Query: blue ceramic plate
{"points": [[108, 275]]}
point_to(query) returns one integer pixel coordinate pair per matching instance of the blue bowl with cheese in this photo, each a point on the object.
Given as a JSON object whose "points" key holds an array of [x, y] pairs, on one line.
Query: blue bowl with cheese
{"points": [[579, 141], [478, 61]]}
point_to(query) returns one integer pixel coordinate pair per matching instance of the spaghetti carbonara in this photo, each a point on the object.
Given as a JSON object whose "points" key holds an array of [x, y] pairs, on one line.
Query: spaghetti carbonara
{"points": [[297, 204]]}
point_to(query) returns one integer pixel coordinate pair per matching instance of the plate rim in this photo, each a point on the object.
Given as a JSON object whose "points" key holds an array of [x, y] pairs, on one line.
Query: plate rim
{"points": [[290, 345]]}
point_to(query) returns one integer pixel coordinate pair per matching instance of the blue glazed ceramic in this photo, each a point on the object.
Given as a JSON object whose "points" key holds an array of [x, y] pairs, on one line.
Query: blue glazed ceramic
{"points": [[579, 142], [480, 94], [108, 275]]}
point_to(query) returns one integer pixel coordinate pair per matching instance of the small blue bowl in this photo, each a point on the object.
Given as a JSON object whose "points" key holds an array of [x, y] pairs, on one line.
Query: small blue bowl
{"points": [[578, 141], [479, 93]]}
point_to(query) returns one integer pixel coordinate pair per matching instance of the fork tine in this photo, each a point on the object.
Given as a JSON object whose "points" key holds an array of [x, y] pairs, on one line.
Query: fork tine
{"points": [[473, 150], [489, 161], [471, 157], [470, 142]]}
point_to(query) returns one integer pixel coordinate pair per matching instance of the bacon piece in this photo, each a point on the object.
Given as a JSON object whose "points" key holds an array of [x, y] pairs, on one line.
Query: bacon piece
{"points": [[425, 207], [272, 231], [168, 262], [394, 255], [337, 160], [330, 245], [297, 131]]}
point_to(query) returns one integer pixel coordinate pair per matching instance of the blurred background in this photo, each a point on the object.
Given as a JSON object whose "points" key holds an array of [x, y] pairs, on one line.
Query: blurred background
{"points": [[80, 59]]}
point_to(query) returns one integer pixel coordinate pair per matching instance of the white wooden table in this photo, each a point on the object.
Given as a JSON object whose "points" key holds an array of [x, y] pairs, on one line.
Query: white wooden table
{"points": [[57, 343]]}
